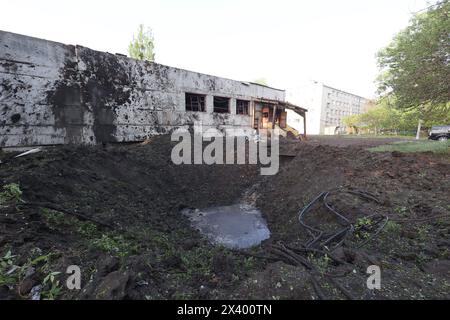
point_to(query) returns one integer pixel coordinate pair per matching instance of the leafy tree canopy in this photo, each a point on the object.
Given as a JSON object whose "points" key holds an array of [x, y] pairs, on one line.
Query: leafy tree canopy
{"points": [[262, 81], [416, 65], [386, 116], [142, 46]]}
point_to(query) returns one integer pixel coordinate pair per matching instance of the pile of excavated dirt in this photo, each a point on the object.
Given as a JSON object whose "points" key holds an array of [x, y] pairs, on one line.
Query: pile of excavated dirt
{"points": [[115, 211], [413, 190]]}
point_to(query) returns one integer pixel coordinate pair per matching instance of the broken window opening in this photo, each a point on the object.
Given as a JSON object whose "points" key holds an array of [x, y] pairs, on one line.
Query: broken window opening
{"points": [[242, 107], [195, 102], [221, 105]]}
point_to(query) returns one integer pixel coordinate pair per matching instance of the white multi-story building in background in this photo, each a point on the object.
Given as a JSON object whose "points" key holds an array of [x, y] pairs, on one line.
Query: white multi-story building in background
{"points": [[327, 107]]}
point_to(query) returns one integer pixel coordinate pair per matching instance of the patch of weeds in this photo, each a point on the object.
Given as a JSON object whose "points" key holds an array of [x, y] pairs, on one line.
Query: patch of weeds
{"points": [[7, 275], [54, 218], [41, 262], [116, 245], [160, 243], [423, 232], [255, 250], [442, 222], [249, 263], [57, 219], [87, 230], [421, 258], [235, 278], [11, 193], [401, 210], [422, 175], [445, 286], [199, 260], [361, 225], [392, 227], [445, 254], [51, 287], [363, 222], [327, 286], [11, 274], [161, 240], [322, 263], [183, 296]]}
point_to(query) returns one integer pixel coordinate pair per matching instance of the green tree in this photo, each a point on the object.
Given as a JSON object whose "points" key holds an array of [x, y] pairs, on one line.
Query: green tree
{"points": [[383, 117], [386, 116], [353, 121], [416, 65], [142, 47], [376, 118], [434, 114], [261, 81]]}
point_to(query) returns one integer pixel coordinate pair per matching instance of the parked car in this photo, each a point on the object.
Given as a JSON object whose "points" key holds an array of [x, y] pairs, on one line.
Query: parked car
{"points": [[440, 133]]}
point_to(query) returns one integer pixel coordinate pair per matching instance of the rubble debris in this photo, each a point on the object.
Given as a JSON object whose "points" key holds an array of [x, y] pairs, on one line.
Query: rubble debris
{"points": [[36, 292], [32, 151]]}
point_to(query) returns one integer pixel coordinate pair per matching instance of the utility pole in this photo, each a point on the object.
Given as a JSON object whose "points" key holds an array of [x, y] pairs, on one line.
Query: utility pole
{"points": [[419, 127]]}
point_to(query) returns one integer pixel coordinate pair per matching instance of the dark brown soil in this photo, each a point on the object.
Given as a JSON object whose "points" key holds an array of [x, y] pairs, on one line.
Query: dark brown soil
{"points": [[115, 212], [414, 193], [138, 192]]}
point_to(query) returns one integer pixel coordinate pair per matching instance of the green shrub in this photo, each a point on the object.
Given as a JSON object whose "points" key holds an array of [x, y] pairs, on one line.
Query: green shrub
{"points": [[11, 193], [116, 245]]}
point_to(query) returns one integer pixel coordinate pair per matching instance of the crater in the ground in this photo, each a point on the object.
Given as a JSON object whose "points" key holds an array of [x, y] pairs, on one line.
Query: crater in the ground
{"points": [[238, 226]]}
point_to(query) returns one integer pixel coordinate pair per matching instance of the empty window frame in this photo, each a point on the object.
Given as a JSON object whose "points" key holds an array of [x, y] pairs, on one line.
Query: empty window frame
{"points": [[221, 105], [195, 102], [242, 107]]}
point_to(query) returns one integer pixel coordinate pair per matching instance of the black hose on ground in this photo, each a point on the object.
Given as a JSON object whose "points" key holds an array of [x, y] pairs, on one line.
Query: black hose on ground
{"points": [[321, 240]]}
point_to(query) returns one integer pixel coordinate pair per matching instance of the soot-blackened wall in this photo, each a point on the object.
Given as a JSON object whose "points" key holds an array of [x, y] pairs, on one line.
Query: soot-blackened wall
{"points": [[51, 93]]}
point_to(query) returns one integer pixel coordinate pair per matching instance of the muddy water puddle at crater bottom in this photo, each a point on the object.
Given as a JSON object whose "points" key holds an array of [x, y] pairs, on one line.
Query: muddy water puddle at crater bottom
{"points": [[238, 226]]}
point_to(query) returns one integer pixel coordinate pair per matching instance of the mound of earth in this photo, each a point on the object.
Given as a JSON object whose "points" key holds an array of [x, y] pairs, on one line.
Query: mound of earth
{"points": [[413, 192], [114, 211]]}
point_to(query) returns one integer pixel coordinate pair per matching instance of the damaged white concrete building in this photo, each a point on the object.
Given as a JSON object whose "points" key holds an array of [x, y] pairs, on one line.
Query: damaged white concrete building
{"points": [[327, 108], [52, 93]]}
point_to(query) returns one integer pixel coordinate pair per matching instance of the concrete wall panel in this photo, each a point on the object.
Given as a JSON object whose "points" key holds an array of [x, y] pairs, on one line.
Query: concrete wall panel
{"points": [[51, 93]]}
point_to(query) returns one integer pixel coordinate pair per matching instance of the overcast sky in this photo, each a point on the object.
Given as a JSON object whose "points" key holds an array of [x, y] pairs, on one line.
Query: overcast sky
{"points": [[286, 42]]}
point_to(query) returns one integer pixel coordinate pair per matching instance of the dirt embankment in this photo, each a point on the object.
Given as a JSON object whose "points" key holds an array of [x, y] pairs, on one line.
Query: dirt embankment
{"points": [[115, 212], [413, 192]]}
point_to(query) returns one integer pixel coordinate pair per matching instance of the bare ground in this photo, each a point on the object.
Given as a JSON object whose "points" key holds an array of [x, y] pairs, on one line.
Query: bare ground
{"points": [[115, 212]]}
